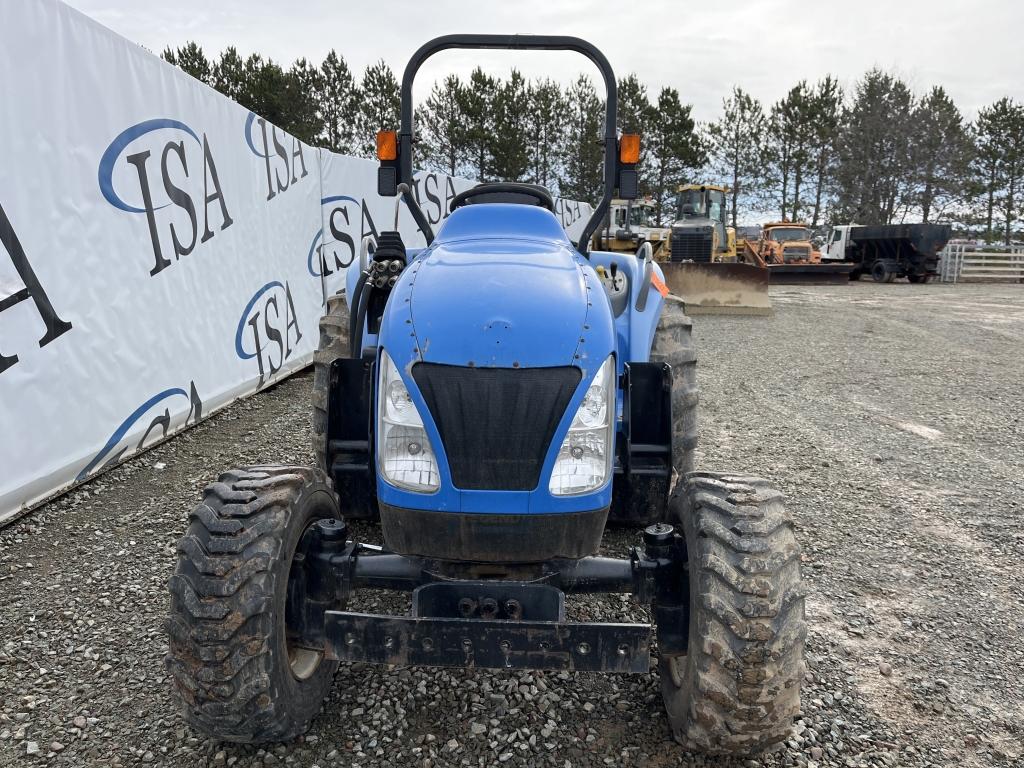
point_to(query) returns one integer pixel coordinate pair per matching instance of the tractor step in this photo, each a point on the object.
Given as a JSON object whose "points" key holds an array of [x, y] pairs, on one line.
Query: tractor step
{"points": [[489, 644]]}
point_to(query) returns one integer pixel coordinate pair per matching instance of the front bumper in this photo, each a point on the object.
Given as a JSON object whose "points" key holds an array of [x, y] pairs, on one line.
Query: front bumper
{"points": [[488, 644], [492, 538], [489, 616]]}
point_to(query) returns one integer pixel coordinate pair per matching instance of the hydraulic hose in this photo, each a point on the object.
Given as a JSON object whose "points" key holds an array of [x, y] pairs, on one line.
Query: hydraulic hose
{"points": [[357, 312]]}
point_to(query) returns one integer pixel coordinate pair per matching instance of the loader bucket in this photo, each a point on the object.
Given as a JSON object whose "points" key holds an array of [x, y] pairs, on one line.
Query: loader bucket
{"points": [[710, 288], [810, 274]]}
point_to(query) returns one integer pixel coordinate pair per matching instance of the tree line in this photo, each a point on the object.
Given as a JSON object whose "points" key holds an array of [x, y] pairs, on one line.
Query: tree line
{"points": [[877, 154], [484, 127]]}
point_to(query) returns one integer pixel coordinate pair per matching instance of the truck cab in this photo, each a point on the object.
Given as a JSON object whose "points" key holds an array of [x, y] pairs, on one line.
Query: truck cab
{"points": [[787, 242], [630, 224], [837, 244]]}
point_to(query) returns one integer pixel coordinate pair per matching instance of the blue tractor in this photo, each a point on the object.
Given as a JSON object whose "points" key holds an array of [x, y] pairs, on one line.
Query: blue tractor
{"points": [[495, 399]]}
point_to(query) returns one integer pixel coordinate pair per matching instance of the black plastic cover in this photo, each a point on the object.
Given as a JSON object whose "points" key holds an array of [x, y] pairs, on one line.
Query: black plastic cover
{"points": [[496, 423]]}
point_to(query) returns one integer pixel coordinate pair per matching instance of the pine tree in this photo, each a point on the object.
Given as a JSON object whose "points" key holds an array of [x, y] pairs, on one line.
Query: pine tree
{"points": [[583, 149], [988, 157], [301, 102], [828, 103], [736, 146], [941, 154], [1008, 121], [673, 150], [509, 149], [477, 104], [339, 103], [441, 125], [191, 59], [790, 144], [545, 131], [875, 171], [228, 75], [379, 109], [262, 85]]}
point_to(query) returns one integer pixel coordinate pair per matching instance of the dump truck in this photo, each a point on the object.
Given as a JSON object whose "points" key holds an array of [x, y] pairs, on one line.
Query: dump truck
{"points": [[497, 395], [889, 251], [786, 249], [702, 265], [628, 225]]}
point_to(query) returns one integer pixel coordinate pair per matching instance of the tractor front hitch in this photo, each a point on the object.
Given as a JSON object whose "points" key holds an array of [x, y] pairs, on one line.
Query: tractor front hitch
{"points": [[511, 621]]}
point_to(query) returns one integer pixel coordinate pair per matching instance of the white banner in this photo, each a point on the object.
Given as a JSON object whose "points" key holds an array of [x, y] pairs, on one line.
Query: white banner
{"points": [[162, 250]]}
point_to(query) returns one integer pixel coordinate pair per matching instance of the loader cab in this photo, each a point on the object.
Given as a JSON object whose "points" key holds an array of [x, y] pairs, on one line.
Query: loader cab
{"points": [[699, 232]]}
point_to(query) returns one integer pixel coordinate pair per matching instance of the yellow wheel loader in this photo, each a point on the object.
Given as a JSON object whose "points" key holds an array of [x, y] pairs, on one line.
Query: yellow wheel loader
{"points": [[702, 266]]}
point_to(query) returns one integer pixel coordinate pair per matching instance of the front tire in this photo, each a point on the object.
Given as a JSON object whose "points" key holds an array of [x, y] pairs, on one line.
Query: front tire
{"points": [[334, 344], [231, 662], [673, 344], [737, 689]]}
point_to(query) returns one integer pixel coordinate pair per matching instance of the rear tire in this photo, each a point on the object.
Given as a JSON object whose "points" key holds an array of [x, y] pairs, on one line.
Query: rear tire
{"points": [[673, 344], [334, 343], [880, 273], [738, 688], [229, 657]]}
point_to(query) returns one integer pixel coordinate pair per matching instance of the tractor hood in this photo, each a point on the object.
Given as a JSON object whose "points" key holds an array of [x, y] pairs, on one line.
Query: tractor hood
{"points": [[501, 286]]}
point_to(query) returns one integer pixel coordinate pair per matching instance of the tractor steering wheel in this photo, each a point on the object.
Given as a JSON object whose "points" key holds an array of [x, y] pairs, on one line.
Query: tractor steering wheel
{"points": [[505, 192]]}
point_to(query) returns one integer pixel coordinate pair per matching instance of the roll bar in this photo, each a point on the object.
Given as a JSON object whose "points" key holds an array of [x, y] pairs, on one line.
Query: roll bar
{"points": [[617, 176]]}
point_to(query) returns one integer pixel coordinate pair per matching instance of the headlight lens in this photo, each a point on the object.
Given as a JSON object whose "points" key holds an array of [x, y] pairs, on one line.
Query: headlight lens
{"points": [[404, 453], [584, 459]]}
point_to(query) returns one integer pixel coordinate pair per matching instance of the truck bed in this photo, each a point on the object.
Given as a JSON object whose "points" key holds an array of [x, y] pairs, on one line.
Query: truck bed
{"points": [[927, 239], [908, 250]]}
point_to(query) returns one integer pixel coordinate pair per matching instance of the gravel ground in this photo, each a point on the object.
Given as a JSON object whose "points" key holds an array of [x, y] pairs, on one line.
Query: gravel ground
{"points": [[891, 417]]}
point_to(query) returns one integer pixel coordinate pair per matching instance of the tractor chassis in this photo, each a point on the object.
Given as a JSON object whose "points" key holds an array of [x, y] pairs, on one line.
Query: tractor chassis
{"points": [[463, 616]]}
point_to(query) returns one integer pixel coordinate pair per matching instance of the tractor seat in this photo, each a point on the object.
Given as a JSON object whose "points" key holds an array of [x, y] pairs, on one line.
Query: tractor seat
{"points": [[505, 192]]}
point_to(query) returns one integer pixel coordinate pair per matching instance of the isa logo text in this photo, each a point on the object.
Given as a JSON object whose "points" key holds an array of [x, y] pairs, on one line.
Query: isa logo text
{"points": [[164, 172], [268, 330]]}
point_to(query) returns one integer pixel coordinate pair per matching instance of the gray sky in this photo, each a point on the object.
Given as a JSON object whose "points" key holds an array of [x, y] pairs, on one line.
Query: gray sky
{"points": [[974, 49]]}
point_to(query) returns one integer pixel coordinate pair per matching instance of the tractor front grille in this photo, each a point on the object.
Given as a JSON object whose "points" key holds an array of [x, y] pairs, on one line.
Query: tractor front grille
{"points": [[496, 423], [691, 246]]}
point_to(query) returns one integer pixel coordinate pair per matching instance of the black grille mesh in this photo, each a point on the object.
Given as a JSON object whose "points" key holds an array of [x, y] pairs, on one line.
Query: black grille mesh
{"points": [[496, 423], [691, 246]]}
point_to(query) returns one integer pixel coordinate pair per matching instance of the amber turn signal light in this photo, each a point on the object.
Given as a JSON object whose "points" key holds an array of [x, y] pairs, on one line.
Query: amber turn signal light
{"points": [[629, 149], [387, 145]]}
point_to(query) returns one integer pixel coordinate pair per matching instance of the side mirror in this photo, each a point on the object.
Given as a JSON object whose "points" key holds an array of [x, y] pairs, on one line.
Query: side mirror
{"points": [[629, 184]]}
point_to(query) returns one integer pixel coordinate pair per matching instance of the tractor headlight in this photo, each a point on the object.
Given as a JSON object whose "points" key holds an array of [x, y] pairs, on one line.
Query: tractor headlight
{"points": [[585, 457], [404, 453]]}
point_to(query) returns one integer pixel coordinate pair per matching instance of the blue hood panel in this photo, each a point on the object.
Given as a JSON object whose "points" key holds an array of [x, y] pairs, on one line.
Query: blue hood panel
{"points": [[502, 286]]}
